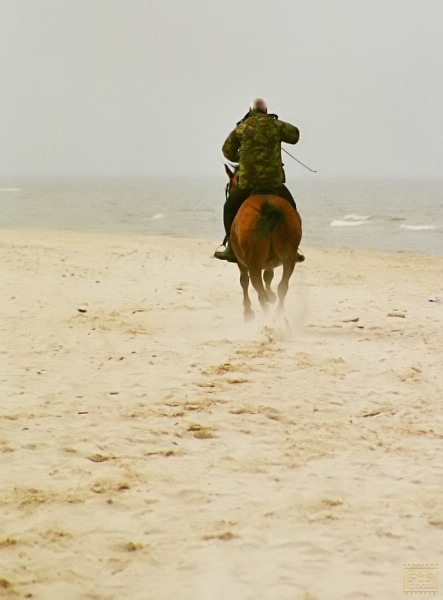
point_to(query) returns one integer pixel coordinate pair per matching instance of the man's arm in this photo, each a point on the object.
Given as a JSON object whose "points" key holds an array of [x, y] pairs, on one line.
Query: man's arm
{"points": [[231, 147], [289, 133]]}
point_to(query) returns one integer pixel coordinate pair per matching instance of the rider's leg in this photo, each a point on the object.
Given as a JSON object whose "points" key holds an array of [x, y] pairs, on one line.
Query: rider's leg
{"points": [[283, 192], [232, 204], [230, 209]]}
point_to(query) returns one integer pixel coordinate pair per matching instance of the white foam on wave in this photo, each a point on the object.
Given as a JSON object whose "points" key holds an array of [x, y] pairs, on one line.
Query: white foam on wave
{"points": [[354, 217], [417, 227], [343, 223], [350, 220], [9, 189], [158, 216]]}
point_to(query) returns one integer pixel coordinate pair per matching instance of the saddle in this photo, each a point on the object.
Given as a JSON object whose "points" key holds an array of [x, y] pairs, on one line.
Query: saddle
{"points": [[267, 190]]}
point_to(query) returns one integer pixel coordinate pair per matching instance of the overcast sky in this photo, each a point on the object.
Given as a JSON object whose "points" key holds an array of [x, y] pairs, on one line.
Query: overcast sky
{"points": [[153, 87]]}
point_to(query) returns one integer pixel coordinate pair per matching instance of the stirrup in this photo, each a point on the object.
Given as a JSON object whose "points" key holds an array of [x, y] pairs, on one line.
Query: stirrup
{"points": [[226, 254]]}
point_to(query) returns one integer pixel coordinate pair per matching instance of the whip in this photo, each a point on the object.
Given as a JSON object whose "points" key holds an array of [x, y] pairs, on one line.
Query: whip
{"points": [[299, 161]]}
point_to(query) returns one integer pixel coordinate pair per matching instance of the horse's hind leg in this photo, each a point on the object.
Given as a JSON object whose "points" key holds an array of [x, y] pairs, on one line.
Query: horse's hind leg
{"points": [[282, 290], [257, 281], [248, 313], [268, 276]]}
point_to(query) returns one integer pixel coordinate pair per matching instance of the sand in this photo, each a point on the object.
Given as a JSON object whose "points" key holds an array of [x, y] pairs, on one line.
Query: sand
{"points": [[155, 446]]}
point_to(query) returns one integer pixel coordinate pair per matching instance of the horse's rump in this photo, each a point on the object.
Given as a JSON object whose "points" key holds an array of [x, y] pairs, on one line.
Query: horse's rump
{"points": [[266, 232]]}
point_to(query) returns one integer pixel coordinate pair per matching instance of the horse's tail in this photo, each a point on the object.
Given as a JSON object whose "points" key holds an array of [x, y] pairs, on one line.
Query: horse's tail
{"points": [[270, 216]]}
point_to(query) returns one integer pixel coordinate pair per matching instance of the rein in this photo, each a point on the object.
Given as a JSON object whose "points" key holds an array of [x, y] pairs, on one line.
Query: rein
{"points": [[299, 161]]}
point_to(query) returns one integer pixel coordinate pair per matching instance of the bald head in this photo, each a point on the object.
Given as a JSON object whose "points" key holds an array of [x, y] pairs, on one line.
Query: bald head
{"points": [[259, 104]]}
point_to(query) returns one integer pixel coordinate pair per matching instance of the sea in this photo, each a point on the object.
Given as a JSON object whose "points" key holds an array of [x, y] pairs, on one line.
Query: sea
{"points": [[387, 215]]}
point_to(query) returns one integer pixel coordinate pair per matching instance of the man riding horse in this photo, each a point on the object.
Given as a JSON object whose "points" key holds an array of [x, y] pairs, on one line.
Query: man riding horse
{"points": [[255, 144]]}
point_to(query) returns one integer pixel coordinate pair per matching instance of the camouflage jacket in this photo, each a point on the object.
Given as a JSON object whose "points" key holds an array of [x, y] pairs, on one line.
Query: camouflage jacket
{"points": [[255, 145]]}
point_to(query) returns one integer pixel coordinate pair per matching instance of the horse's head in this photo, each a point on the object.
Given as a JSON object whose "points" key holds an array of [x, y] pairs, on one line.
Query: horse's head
{"points": [[233, 178]]}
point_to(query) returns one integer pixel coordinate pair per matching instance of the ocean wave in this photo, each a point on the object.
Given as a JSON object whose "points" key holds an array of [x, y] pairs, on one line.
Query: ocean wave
{"points": [[9, 189], [158, 216], [354, 217], [350, 220], [418, 227]]}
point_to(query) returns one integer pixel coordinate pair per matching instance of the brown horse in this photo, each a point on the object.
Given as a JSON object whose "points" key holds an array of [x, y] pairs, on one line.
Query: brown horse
{"points": [[265, 234]]}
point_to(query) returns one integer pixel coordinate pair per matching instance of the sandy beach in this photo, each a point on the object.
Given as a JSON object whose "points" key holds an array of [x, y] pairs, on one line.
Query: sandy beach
{"points": [[155, 446]]}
